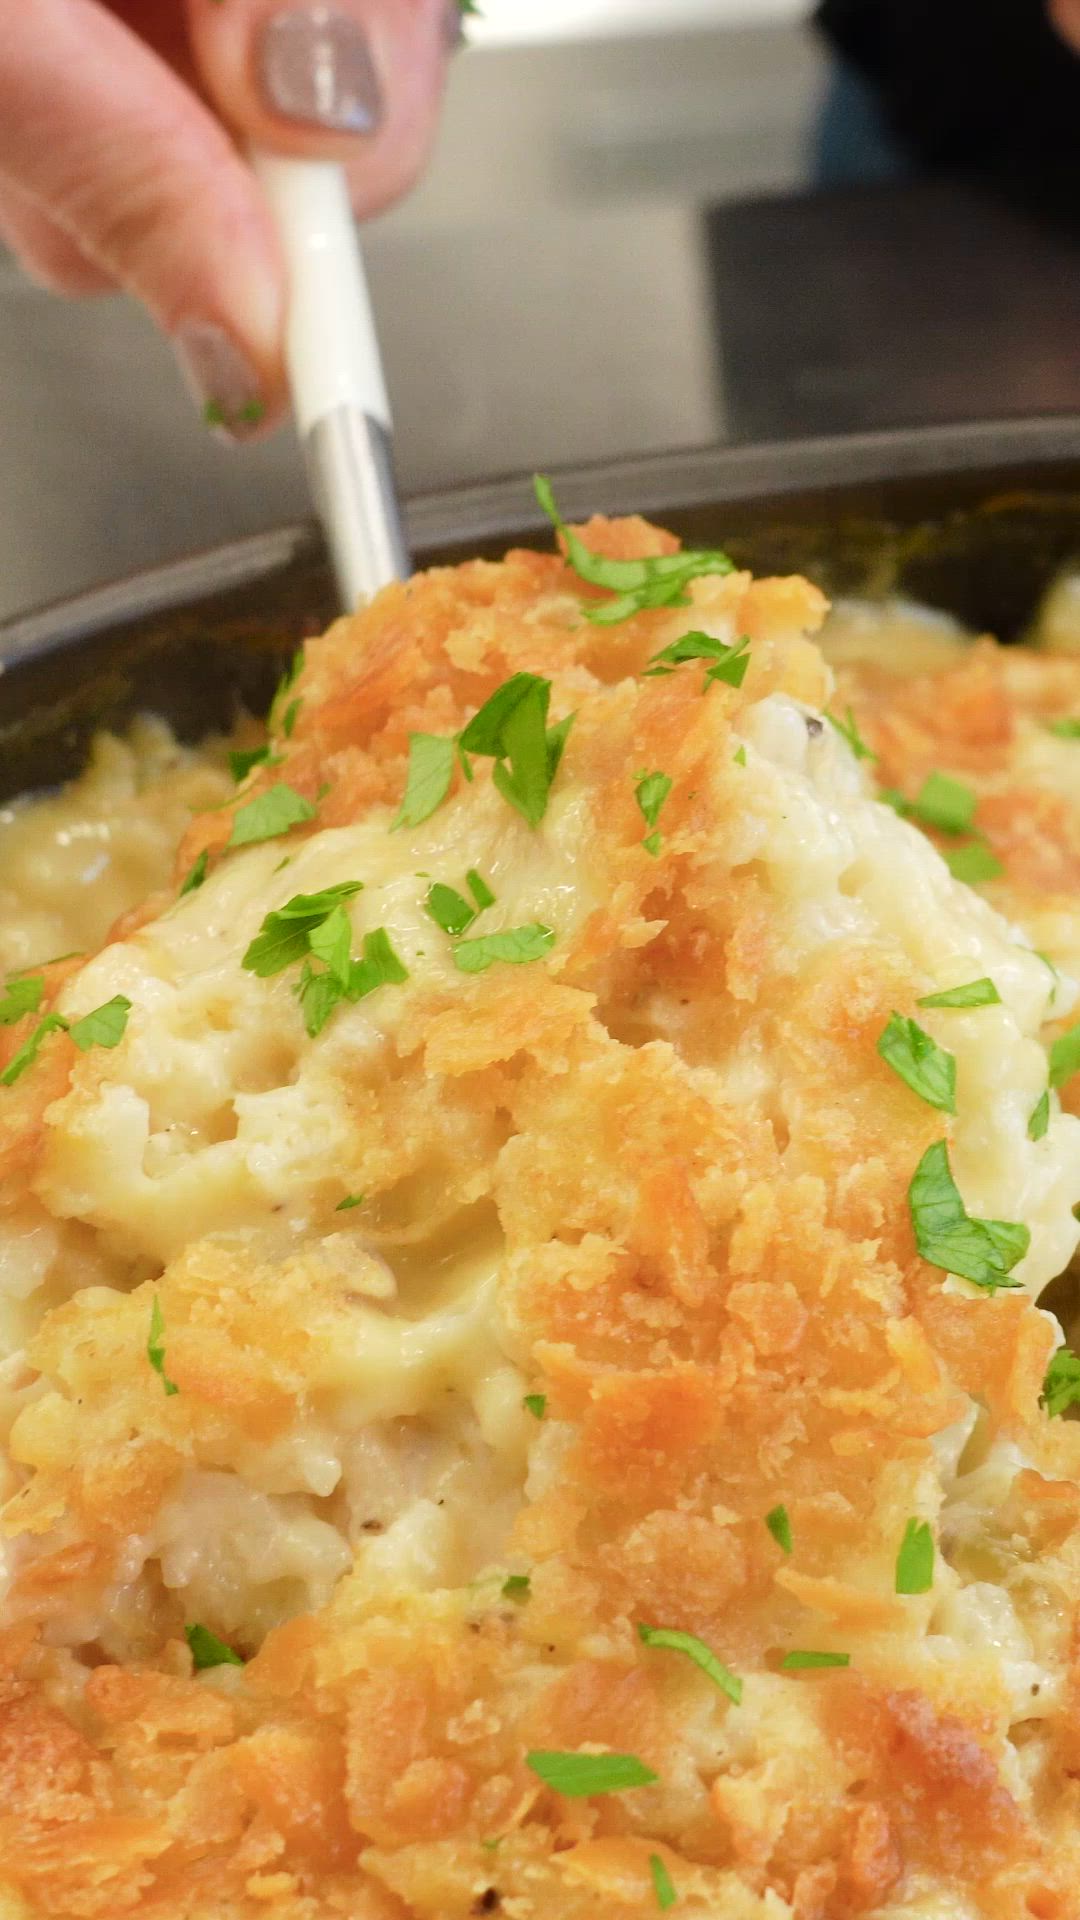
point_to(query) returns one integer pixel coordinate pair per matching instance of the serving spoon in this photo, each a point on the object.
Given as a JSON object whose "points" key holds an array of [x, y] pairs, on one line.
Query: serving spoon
{"points": [[335, 374]]}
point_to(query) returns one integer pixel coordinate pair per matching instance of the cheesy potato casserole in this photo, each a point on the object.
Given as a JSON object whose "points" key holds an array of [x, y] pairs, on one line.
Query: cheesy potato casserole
{"points": [[522, 1225]]}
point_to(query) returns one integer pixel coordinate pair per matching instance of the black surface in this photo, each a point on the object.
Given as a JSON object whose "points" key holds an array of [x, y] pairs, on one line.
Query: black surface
{"points": [[976, 520], [880, 306]]}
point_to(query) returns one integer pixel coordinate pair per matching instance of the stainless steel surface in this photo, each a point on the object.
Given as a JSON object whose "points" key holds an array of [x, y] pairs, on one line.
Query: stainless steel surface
{"points": [[352, 478]]}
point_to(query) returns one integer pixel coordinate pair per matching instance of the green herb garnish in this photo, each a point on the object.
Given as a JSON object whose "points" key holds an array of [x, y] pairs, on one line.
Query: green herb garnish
{"points": [[196, 873], [1065, 1056], [208, 1651], [1068, 729], [350, 1200], [727, 663], [977, 993], [972, 863], [576, 1775], [28, 1052], [698, 1652], [381, 966], [155, 1346], [448, 909], [330, 941], [285, 934], [982, 1251], [241, 761], [848, 731], [431, 770], [638, 584], [923, 1066], [1040, 1117], [941, 802], [479, 889], [779, 1525], [277, 811], [740, 757], [511, 728], [281, 704], [663, 1885], [104, 1027], [805, 1660], [915, 1560], [536, 1404], [650, 792], [516, 1587], [21, 996], [1061, 1387], [517, 947]]}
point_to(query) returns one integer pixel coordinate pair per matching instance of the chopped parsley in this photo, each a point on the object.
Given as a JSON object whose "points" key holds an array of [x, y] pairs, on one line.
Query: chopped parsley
{"points": [[977, 993], [982, 1251], [31, 1047], [104, 1027], [699, 1653], [350, 1200], [1061, 1387], [663, 1885], [155, 1346], [21, 996], [516, 1587], [518, 946], [276, 811], [972, 863], [805, 1660], [1065, 1056], [381, 966], [1068, 729], [511, 728], [923, 1066], [740, 757], [779, 1525], [330, 941], [1040, 1117], [728, 663], [196, 873], [650, 792], [536, 1404], [576, 1775], [431, 770], [449, 909], [660, 581], [281, 705], [848, 731], [285, 934], [915, 1560], [479, 889], [241, 761], [208, 1651], [941, 802]]}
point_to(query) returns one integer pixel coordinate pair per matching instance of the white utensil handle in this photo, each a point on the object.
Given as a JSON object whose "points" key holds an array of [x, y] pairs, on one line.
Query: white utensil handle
{"points": [[335, 372], [331, 344]]}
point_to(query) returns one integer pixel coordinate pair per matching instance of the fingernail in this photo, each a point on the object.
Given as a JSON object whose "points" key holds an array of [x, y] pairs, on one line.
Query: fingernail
{"points": [[223, 382], [315, 66]]}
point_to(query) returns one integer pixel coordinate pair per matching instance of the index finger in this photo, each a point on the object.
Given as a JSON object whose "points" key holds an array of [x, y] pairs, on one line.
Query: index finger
{"points": [[357, 81]]}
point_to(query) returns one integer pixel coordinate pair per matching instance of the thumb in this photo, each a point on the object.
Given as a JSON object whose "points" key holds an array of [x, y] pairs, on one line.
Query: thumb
{"points": [[102, 141], [357, 81]]}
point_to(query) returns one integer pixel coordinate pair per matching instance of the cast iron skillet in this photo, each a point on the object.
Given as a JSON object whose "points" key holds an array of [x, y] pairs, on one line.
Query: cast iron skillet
{"points": [[975, 519]]}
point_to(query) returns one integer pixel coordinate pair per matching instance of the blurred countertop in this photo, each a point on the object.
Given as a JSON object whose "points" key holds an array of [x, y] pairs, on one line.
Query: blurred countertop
{"points": [[616, 251]]}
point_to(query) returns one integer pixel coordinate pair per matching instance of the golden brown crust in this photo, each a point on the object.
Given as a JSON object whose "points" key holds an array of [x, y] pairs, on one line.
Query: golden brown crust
{"points": [[697, 1165]]}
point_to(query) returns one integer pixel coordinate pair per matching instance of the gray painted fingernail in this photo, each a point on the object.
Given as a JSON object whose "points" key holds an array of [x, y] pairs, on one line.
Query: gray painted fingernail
{"points": [[223, 382], [315, 67]]}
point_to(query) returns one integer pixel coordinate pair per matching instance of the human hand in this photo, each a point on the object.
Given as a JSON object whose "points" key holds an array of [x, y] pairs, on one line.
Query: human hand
{"points": [[1065, 16], [119, 165]]}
